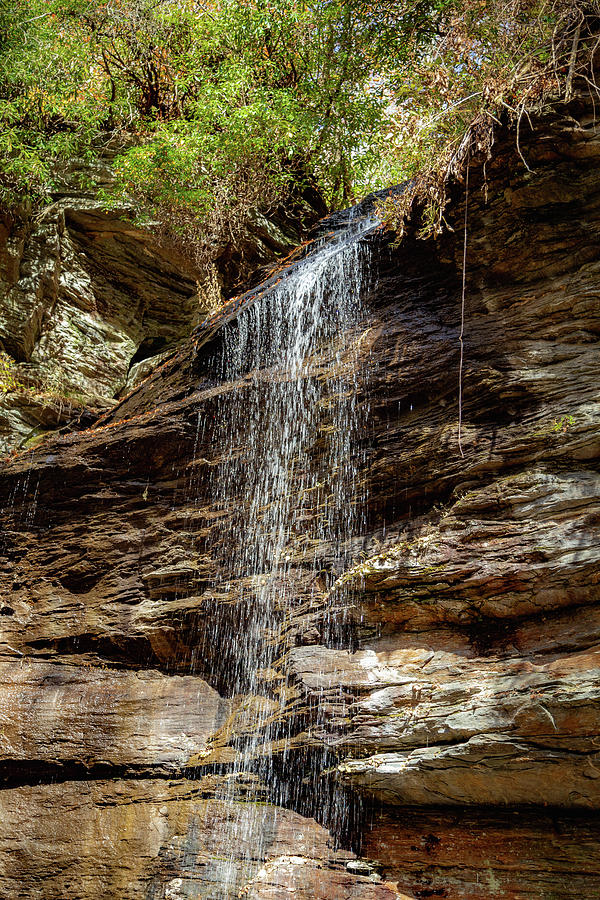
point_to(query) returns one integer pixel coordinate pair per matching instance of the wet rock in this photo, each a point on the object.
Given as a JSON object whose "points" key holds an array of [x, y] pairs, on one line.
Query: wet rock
{"points": [[297, 876], [164, 839], [92, 303], [533, 854], [440, 666], [359, 867]]}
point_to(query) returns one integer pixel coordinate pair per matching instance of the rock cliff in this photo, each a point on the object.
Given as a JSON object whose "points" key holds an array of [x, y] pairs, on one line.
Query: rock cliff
{"points": [[92, 302], [429, 708]]}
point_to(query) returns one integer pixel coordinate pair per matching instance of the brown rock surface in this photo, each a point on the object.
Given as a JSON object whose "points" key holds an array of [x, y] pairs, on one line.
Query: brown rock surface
{"points": [[85, 295], [91, 303], [164, 840], [449, 670], [517, 854], [59, 715]]}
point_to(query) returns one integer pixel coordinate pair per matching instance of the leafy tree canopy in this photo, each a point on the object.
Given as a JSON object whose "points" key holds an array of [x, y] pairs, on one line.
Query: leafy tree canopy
{"points": [[220, 105]]}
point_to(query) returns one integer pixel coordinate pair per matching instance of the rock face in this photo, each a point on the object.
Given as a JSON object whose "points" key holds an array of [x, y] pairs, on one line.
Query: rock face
{"points": [[432, 692], [153, 838], [91, 303], [86, 295], [61, 715]]}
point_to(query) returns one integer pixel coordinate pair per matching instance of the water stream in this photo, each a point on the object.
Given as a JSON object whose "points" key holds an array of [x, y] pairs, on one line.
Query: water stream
{"points": [[287, 459]]}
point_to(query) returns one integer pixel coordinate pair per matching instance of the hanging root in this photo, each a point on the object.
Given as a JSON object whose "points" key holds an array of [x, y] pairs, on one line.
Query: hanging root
{"points": [[462, 315]]}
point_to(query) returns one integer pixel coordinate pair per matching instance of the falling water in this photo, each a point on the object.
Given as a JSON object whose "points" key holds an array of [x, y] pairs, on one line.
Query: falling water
{"points": [[286, 431]]}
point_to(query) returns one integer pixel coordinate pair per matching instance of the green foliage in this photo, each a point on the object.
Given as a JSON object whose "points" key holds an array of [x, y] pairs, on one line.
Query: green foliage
{"points": [[217, 99], [563, 423], [220, 105], [8, 377]]}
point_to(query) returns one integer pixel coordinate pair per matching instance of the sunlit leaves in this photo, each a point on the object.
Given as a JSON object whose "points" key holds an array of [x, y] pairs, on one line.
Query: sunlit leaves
{"points": [[204, 90]]}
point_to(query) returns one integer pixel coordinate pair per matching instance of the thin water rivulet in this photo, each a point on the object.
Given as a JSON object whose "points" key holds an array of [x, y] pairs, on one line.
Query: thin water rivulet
{"points": [[287, 456]]}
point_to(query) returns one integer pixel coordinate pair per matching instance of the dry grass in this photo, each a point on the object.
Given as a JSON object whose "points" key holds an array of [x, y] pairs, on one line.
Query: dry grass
{"points": [[552, 49]]}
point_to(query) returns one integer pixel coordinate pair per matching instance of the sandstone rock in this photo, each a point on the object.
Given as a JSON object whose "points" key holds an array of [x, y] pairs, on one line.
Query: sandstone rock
{"points": [[514, 547], [164, 840], [447, 656], [92, 303], [63, 715], [518, 854], [297, 876], [486, 769], [89, 291]]}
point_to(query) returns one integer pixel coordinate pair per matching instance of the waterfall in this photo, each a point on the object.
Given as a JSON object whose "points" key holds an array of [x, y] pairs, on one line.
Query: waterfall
{"points": [[285, 434]]}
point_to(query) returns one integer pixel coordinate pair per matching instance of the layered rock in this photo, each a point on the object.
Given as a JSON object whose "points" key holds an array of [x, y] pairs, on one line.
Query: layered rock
{"points": [[64, 716], [149, 838], [448, 672], [86, 296], [518, 853], [93, 302]]}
